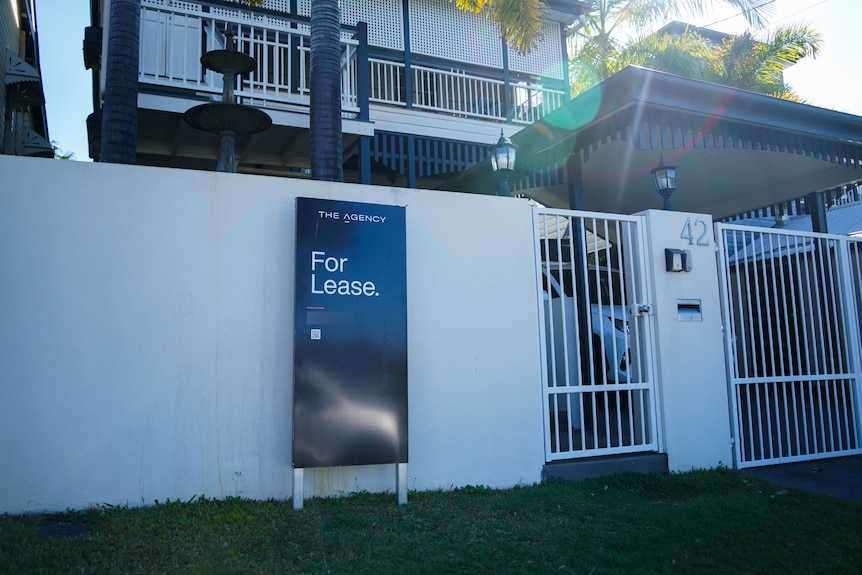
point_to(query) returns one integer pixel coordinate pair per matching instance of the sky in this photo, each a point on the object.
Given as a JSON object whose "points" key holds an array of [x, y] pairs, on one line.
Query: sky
{"points": [[833, 80]]}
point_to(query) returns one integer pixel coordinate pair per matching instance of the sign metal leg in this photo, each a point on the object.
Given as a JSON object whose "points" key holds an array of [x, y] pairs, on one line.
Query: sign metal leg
{"points": [[401, 482], [298, 482]]}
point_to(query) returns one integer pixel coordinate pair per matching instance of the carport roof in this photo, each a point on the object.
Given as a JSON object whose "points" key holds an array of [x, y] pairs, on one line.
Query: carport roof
{"points": [[735, 151]]}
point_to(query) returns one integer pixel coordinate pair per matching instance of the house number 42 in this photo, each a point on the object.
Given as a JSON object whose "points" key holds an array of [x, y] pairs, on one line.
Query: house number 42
{"points": [[699, 224]]}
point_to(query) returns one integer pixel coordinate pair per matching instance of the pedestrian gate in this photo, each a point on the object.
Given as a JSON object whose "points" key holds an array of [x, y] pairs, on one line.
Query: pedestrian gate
{"points": [[599, 387], [791, 305]]}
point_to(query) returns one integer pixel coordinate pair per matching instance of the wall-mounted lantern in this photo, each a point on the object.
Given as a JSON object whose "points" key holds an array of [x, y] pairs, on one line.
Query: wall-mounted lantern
{"points": [[664, 178], [503, 161]]}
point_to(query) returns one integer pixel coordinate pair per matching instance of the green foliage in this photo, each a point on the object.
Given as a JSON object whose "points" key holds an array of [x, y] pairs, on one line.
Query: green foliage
{"points": [[607, 22], [742, 61], [685, 55], [704, 521], [60, 154], [474, 489], [758, 65]]}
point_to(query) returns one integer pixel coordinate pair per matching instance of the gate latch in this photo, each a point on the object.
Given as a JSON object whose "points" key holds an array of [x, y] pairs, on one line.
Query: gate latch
{"points": [[641, 309]]}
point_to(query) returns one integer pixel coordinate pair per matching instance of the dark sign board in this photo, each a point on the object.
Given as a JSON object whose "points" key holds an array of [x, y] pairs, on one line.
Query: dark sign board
{"points": [[350, 366]]}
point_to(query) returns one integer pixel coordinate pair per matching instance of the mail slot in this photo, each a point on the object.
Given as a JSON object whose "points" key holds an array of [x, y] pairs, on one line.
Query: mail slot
{"points": [[689, 310]]}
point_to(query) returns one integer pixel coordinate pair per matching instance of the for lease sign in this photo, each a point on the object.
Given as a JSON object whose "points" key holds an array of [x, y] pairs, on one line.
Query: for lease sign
{"points": [[350, 350]]}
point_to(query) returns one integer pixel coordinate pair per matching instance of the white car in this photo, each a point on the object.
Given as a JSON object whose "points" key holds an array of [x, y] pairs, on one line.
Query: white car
{"points": [[608, 346]]}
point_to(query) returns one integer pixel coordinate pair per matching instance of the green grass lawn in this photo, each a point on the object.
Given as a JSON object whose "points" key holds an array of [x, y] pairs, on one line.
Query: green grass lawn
{"points": [[719, 521]]}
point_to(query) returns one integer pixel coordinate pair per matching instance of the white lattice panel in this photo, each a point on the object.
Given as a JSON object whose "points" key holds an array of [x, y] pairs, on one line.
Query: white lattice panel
{"points": [[279, 5], [384, 19], [252, 18], [440, 30], [179, 5], [545, 59]]}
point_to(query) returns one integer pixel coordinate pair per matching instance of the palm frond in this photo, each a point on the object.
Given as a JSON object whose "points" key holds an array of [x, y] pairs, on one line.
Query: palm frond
{"points": [[520, 21], [683, 55]]}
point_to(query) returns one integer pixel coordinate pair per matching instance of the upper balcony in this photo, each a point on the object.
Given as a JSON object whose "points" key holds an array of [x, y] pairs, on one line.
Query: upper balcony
{"points": [[175, 34], [425, 87]]}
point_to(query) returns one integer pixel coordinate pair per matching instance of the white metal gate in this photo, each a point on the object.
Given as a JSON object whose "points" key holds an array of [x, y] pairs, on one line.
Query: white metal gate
{"points": [[791, 304], [599, 388]]}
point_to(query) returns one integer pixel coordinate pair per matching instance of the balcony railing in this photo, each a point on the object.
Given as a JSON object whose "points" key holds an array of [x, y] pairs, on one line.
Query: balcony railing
{"points": [[175, 34], [454, 91]]}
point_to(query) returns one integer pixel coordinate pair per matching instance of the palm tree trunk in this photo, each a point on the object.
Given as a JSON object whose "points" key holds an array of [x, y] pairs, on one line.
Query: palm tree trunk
{"points": [[120, 108], [325, 85]]}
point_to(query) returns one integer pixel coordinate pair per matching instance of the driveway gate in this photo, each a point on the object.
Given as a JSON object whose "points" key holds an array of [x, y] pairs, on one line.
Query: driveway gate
{"points": [[599, 391], [791, 301]]}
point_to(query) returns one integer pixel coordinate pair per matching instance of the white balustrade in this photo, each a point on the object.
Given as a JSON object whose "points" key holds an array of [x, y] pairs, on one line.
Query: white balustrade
{"points": [[175, 34], [386, 81]]}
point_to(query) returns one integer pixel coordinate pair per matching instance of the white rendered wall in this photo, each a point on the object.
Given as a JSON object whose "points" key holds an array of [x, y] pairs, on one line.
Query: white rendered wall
{"points": [[690, 362], [146, 337]]}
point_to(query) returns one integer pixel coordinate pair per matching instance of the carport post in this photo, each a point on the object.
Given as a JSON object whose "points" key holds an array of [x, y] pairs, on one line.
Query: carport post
{"points": [[575, 181], [575, 185], [816, 203]]}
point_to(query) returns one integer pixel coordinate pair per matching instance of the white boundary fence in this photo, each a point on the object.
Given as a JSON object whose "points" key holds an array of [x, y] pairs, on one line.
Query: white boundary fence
{"points": [[147, 337], [791, 301], [148, 343]]}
